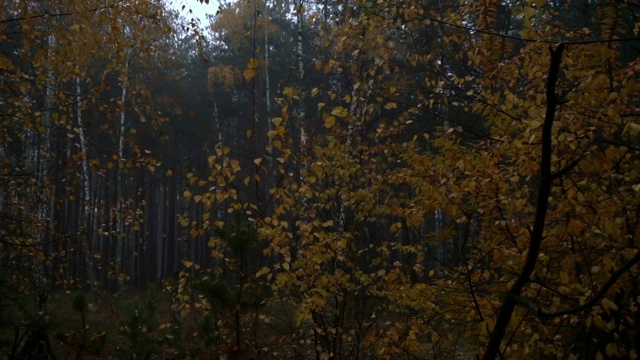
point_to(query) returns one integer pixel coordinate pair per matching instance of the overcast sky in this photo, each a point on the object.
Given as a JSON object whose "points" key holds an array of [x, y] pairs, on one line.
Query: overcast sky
{"points": [[200, 10]]}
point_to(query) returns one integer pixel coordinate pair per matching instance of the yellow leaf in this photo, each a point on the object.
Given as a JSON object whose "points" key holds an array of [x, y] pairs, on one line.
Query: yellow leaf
{"points": [[288, 92], [235, 165], [253, 63], [329, 121], [265, 270], [248, 74], [339, 111], [600, 323], [564, 278], [631, 129], [608, 304], [187, 263], [187, 194], [528, 14], [192, 178], [390, 106], [285, 266], [257, 161]]}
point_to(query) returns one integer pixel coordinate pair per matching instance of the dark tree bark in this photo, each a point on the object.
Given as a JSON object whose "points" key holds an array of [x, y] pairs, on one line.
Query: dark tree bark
{"points": [[546, 178]]}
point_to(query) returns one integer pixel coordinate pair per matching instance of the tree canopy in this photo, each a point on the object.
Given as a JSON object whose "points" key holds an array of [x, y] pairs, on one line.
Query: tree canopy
{"points": [[331, 180]]}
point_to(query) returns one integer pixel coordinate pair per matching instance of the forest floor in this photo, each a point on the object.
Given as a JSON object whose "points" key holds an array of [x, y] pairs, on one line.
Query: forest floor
{"points": [[94, 326], [138, 325]]}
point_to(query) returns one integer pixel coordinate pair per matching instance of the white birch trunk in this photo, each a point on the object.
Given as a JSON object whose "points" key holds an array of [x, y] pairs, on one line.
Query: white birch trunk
{"points": [[88, 206], [300, 55], [120, 177], [41, 154]]}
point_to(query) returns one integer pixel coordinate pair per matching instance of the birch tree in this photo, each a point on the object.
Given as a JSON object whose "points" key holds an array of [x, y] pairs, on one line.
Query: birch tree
{"points": [[488, 206]]}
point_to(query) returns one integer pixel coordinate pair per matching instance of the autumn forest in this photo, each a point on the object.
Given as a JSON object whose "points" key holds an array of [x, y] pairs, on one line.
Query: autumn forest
{"points": [[315, 179]]}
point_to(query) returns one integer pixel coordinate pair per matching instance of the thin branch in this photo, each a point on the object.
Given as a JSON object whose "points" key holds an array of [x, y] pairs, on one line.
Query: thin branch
{"points": [[617, 143], [544, 314], [61, 14], [570, 166], [526, 39]]}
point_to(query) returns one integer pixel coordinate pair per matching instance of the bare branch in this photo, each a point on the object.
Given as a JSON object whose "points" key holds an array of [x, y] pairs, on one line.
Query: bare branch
{"points": [[525, 39], [61, 14], [544, 314]]}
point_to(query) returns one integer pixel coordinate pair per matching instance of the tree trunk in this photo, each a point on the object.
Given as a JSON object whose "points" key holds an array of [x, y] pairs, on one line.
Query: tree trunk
{"points": [[120, 180], [300, 55], [87, 201], [537, 232]]}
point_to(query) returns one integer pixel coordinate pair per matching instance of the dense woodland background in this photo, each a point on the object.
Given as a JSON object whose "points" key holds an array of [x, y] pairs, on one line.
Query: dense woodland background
{"points": [[403, 179]]}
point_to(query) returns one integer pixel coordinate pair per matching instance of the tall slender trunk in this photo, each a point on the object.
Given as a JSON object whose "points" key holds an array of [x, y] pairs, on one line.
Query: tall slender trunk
{"points": [[88, 206], [160, 238], [267, 90], [219, 125], [254, 136], [170, 245], [300, 55], [120, 178], [536, 235], [39, 162]]}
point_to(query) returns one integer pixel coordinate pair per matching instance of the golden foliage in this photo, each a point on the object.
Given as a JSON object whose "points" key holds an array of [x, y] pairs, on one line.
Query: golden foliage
{"points": [[410, 237], [226, 76]]}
